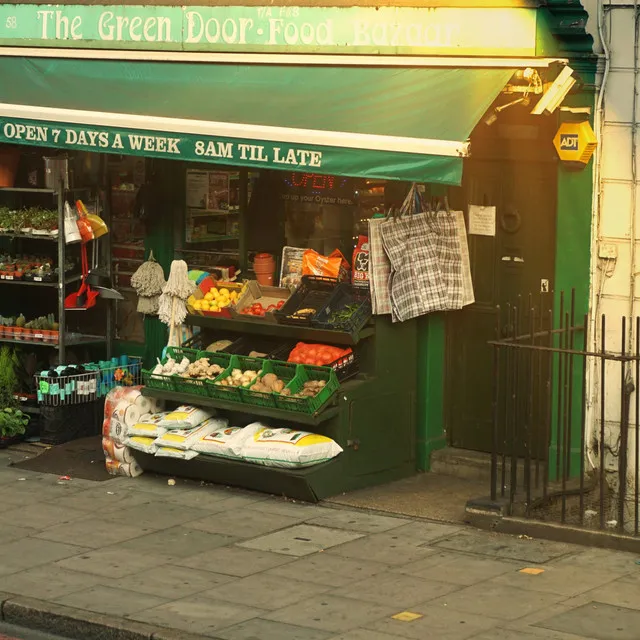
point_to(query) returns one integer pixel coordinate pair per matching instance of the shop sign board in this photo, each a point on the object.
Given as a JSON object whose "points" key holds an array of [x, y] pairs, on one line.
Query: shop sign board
{"points": [[575, 142], [244, 29], [240, 152]]}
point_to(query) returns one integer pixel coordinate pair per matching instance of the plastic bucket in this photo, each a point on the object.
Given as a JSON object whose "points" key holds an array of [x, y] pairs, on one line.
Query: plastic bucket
{"points": [[56, 170], [264, 266], [9, 160]]}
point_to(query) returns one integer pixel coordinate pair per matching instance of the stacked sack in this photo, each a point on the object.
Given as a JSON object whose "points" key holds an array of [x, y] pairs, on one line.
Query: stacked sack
{"points": [[123, 408], [171, 434], [189, 431]]}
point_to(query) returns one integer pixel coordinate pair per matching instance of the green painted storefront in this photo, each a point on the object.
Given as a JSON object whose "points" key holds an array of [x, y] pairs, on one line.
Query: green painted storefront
{"points": [[183, 91]]}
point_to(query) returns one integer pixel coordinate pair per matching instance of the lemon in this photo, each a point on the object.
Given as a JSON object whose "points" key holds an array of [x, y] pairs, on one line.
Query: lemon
{"points": [[216, 293], [197, 305], [208, 296], [224, 292], [224, 302], [205, 305], [214, 307]]}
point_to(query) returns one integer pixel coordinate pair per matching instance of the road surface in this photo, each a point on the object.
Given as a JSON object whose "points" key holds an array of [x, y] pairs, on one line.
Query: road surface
{"points": [[9, 632]]}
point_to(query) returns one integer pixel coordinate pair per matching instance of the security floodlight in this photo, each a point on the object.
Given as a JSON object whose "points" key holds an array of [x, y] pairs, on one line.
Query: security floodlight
{"points": [[556, 93]]}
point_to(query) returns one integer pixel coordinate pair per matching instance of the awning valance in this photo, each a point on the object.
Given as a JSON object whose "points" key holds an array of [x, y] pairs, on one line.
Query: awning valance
{"points": [[406, 124]]}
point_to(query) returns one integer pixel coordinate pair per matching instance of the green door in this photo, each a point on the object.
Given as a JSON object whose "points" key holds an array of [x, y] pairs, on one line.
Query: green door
{"points": [[518, 261]]}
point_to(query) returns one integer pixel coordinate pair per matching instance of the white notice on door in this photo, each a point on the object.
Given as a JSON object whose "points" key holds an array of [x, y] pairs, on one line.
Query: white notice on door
{"points": [[482, 220]]}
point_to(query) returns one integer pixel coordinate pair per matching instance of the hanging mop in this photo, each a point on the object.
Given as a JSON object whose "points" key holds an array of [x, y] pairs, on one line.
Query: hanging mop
{"points": [[148, 282], [173, 308]]}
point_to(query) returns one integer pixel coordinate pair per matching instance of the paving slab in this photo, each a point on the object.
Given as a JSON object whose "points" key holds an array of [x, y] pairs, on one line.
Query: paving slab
{"points": [[198, 614], [503, 546], [598, 621], [329, 570], [293, 508], [258, 629], [354, 521], [156, 515], [330, 613], [105, 499], [110, 601], [498, 601], [564, 580], [175, 542], [40, 516], [9, 533], [437, 622], [620, 562], [301, 540], [616, 593], [171, 582], [265, 591], [427, 532], [518, 634], [386, 548], [49, 582], [396, 590], [93, 532], [212, 500], [243, 523], [364, 634], [235, 561], [110, 562], [31, 552], [459, 569]]}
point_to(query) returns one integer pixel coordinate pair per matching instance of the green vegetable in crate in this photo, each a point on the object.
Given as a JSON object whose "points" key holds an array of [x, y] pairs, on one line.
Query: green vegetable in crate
{"points": [[343, 315]]}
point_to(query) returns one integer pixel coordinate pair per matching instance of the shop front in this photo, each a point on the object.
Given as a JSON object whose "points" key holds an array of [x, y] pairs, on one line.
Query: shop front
{"points": [[222, 133]]}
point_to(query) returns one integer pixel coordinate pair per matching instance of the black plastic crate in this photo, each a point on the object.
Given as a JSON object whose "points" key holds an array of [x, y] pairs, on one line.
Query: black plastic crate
{"points": [[244, 345], [313, 293], [344, 296]]}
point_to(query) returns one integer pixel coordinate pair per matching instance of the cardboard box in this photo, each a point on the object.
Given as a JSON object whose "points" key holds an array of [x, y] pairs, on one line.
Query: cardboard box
{"points": [[264, 295]]}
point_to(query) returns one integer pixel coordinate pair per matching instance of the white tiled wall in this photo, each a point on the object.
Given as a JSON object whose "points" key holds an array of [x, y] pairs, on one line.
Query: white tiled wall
{"points": [[614, 280]]}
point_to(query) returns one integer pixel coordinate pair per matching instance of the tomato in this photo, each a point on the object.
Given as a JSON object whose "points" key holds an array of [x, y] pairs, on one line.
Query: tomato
{"points": [[280, 304]]}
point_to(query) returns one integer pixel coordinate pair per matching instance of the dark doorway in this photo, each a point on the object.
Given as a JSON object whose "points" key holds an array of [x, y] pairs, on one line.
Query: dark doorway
{"points": [[513, 169]]}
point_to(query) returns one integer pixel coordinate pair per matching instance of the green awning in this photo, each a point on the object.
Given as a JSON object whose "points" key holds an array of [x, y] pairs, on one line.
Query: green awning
{"points": [[394, 123]]}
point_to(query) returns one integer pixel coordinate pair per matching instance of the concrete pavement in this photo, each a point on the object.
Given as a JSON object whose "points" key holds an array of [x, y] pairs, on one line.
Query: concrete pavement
{"points": [[135, 559]]}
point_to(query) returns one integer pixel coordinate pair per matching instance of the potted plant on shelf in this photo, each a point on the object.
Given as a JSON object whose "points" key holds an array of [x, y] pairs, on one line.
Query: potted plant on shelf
{"points": [[44, 222], [13, 423], [6, 218], [24, 223]]}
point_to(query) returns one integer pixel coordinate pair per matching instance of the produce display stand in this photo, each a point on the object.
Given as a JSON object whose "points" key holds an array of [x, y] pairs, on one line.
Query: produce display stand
{"points": [[65, 339], [372, 416]]}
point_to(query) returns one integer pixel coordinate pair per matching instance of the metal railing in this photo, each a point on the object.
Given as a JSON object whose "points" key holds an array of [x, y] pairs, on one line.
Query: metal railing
{"points": [[566, 418]]}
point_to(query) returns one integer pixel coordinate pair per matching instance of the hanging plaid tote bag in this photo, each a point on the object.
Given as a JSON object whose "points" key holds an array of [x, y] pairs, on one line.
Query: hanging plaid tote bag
{"points": [[379, 270], [416, 283], [449, 251]]}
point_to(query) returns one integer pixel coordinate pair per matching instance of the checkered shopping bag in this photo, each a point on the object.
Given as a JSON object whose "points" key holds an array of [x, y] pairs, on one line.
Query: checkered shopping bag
{"points": [[379, 270], [444, 224], [416, 282]]}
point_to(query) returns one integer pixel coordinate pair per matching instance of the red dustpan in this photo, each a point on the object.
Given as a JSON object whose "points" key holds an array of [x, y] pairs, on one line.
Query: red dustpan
{"points": [[85, 297]]}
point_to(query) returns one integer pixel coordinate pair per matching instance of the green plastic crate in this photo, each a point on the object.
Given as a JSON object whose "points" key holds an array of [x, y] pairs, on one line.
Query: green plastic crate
{"points": [[286, 371], [155, 381], [222, 392], [168, 383], [304, 373]]}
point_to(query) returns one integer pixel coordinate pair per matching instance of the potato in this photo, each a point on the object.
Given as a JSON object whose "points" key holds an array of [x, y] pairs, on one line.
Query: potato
{"points": [[285, 392], [278, 386], [269, 379]]}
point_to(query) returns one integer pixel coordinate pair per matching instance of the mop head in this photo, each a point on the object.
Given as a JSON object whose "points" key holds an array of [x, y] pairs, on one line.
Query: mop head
{"points": [[149, 305], [148, 280], [172, 308], [179, 285]]}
